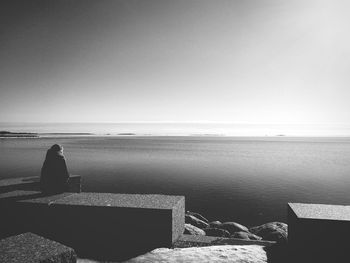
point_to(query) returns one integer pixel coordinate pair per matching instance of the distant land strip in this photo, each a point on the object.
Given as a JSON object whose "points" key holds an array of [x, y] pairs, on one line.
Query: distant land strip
{"points": [[66, 133], [7, 134]]}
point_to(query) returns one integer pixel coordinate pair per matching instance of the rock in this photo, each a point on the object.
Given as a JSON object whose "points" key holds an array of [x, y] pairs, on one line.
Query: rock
{"points": [[241, 235], [193, 230], [273, 231], [199, 216], [253, 237], [233, 227], [245, 235], [189, 219], [216, 232], [214, 224], [278, 235]]}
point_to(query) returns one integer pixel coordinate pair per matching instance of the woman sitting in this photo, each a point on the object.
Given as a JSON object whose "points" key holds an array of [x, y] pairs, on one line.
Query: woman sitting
{"points": [[54, 173]]}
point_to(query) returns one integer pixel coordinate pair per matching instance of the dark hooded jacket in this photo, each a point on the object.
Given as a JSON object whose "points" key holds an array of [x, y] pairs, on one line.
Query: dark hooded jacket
{"points": [[54, 173]]}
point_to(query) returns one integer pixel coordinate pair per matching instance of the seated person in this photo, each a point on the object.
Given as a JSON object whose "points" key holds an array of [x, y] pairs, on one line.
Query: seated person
{"points": [[54, 173]]}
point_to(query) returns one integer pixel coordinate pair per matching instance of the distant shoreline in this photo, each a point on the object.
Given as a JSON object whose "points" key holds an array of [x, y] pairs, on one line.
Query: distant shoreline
{"points": [[8, 134], [204, 129]]}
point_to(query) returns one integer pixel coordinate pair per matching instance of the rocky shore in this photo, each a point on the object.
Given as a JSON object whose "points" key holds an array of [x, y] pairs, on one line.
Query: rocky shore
{"points": [[250, 249], [197, 224]]}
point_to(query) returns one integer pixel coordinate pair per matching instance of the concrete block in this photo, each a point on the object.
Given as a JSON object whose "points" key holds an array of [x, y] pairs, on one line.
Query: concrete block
{"points": [[18, 195], [29, 247], [99, 225], [118, 226], [23, 183], [318, 232]]}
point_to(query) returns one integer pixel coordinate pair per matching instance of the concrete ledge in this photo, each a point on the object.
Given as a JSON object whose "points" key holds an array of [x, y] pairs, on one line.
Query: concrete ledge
{"points": [[318, 232], [32, 183], [22, 183], [29, 247], [18, 195], [201, 241]]}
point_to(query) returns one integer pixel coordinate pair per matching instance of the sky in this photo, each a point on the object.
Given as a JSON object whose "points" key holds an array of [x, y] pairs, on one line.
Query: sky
{"points": [[252, 62]]}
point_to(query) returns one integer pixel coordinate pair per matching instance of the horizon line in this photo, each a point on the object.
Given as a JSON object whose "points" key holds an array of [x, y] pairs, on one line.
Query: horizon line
{"points": [[170, 122]]}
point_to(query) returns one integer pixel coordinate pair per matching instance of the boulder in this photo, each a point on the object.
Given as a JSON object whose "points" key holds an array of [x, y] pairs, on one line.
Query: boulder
{"points": [[214, 224], [189, 219], [253, 237], [216, 232], [245, 235], [199, 216], [273, 231], [233, 227], [193, 230], [278, 235]]}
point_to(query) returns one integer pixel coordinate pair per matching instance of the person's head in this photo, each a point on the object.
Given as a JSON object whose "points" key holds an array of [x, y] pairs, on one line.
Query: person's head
{"points": [[57, 148]]}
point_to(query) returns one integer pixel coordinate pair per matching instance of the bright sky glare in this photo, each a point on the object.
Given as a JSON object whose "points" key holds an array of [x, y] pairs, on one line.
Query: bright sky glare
{"points": [[255, 62]]}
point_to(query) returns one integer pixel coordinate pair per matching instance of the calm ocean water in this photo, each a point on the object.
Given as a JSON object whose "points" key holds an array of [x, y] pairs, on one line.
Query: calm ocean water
{"points": [[244, 179]]}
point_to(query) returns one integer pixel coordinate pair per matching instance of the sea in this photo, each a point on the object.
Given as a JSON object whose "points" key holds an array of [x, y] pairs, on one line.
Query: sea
{"points": [[239, 176]]}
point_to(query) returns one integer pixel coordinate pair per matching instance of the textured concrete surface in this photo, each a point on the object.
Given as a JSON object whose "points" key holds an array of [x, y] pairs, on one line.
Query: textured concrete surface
{"points": [[122, 200], [29, 247], [318, 233], [321, 211], [224, 254]]}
